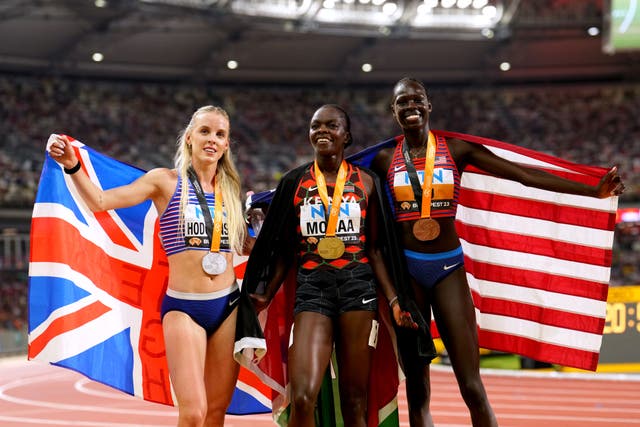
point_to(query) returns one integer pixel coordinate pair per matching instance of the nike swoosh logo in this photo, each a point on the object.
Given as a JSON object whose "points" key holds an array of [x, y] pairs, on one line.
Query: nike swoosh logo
{"points": [[449, 267], [397, 168], [233, 301], [367, 301], [313, 188]]}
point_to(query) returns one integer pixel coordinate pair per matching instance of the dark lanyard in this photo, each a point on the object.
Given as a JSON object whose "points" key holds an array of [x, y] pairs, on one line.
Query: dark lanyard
{"points": [[197, 188], [413, 175]]}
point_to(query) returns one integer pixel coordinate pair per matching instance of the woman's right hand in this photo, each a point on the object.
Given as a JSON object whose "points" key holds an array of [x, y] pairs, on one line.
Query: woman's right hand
{"points": [[403, 318], [61, 150]]}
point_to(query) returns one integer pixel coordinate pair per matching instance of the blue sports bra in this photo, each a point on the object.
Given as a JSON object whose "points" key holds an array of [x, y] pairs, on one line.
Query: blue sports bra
{"points": [[195, 235]]}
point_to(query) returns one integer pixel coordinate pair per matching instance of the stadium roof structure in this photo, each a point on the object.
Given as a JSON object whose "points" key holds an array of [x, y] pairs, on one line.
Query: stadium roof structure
{"points": [[309, 41]]}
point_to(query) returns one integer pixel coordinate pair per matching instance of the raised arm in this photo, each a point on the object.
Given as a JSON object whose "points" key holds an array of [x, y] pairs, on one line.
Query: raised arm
{"points": [[466, 153], [146, 187]]}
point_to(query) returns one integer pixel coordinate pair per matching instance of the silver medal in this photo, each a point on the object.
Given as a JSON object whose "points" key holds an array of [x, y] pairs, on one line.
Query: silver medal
{"points": [[214, 263]]}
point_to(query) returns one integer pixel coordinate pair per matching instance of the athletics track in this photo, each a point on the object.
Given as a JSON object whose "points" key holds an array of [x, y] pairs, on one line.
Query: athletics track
{"points": [[33, 394]]}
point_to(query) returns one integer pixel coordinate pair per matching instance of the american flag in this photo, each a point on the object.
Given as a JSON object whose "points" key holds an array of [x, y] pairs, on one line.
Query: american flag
{"points": [[95, 286], [538, 262]]}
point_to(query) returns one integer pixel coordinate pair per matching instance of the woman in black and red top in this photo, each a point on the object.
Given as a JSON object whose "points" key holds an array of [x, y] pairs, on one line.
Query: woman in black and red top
{"points": [[325, 222]]}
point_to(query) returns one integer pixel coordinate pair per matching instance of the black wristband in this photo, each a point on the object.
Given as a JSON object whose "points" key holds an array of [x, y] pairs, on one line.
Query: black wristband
{"points": [[74, 169]]}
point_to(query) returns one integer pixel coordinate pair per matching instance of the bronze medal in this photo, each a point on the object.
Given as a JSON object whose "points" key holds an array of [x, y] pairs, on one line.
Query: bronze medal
{"points": [[426, 229], [330, 247]]}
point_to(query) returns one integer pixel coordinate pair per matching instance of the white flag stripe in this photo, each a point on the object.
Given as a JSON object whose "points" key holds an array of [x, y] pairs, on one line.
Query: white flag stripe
{"points": [[543, 333], [60, 312], [44, 269], [83, 338], [65, 272], [523, 159], [252, 392], [602, 239], [537, 297], [504, 187], [533, 262], [141, 255]]}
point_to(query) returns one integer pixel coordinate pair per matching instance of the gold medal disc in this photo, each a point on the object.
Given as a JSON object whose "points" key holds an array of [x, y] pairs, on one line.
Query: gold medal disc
{"points": [[330, 247], [426, 229]]}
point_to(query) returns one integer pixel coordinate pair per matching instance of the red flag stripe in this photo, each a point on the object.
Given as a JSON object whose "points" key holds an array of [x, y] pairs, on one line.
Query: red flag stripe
{"points": [[104, 218], [535, 245], [65, 324], [528, 261], [539, 351], [561, 171], [540, 314], [537, 209], [571, 339], [113, 230], [521, 194], [248, 377], [125, 280], [536, 279]]}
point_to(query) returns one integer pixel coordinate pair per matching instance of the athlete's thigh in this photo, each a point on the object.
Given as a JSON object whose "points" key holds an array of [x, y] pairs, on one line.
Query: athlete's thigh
{"points": [[422, 299], [221, 369], [185, 343], [310, 351], [354, 337], [455, 315]]}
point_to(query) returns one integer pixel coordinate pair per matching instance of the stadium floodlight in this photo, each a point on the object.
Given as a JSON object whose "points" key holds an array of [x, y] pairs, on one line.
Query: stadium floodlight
{"points": [[347, 16]]}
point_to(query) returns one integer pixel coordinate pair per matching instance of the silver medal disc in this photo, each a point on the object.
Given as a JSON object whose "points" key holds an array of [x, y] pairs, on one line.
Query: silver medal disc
{"points": [[214, 263]]}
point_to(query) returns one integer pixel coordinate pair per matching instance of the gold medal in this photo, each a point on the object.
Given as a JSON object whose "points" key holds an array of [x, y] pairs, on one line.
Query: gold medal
{"points": [[426, 229], [330, 247]]}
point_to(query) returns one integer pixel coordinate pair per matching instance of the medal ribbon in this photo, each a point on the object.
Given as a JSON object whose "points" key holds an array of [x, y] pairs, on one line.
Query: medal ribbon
{"points": [[332, 220], [427, 182], [213, 226], [216, 236]]}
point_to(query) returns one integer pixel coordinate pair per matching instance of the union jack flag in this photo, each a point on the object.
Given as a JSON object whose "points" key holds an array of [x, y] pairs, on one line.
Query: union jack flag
{"points": [[96, 281]]}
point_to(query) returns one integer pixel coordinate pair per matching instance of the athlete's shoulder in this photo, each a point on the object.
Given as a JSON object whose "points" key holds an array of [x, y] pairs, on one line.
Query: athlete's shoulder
{"points": [[162, 178]]}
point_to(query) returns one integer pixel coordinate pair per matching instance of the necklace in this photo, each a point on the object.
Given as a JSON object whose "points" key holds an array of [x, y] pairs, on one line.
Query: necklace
{"points": [[417, 152]]}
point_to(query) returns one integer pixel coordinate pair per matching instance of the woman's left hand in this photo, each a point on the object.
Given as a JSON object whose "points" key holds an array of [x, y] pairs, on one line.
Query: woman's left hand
{"points": [[610, 185], [403, 318]]}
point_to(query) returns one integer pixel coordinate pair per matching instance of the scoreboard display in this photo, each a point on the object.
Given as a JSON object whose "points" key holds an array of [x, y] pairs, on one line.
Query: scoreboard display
{"points": [[621, 337], [622, 26]]}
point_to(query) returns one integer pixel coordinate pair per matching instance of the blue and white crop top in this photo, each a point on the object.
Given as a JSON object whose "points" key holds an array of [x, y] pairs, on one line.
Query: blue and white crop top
{"points": [[195, 231]]}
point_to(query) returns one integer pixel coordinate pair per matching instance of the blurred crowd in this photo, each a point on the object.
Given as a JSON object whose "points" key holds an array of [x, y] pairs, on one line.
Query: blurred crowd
{"points": [[560, 11], [13, 304], [138, 122]]}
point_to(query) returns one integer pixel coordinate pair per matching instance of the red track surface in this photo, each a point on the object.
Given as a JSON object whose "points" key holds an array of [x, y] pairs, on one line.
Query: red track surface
{"points": [[34, 394]]}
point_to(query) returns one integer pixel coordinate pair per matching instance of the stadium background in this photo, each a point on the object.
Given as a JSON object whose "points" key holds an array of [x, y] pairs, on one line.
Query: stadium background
{"points": [[567, 90]]}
